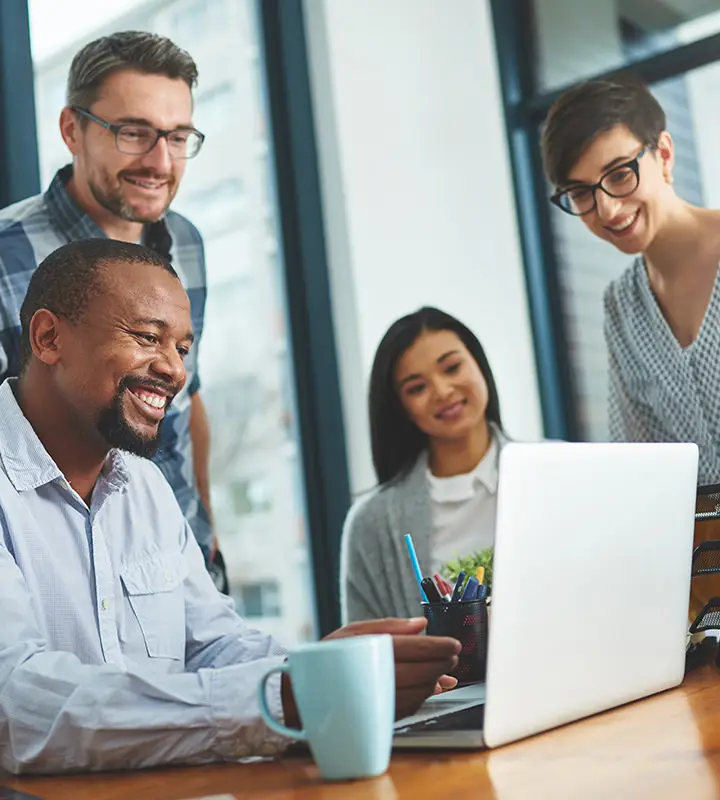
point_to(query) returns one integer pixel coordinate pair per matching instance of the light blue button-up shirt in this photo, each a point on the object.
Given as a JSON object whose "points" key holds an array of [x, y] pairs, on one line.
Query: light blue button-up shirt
{"points": [[116, 650]]}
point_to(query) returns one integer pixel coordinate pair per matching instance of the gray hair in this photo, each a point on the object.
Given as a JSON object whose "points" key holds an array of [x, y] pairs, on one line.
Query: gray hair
{"points": [[141, 51]]}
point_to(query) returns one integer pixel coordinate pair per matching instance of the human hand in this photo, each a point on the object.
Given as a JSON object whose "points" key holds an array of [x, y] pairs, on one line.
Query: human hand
{"points": [[421, 662]]}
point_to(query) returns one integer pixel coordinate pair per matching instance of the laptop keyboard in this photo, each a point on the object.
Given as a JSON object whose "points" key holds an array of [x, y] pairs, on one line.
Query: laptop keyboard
{"points": [[465, 719]]}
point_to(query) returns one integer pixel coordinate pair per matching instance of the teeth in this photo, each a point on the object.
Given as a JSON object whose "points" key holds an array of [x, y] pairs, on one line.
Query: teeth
{"points": [[145, 184], [623, 225], [153, 400]]}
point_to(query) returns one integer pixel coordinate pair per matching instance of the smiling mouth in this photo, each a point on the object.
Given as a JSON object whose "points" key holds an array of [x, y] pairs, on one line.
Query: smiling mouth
{"points": [[624, 226], [145, 183], [452, 411], [152, 404]]}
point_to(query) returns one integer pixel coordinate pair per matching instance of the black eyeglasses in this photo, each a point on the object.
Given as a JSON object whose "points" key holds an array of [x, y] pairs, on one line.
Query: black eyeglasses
{"points": [[135, 140], [620, 181]]}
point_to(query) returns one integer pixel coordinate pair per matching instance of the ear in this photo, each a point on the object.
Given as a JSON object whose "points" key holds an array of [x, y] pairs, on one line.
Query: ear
{"points": [[44, 335], [71, 130], [666, 155]]}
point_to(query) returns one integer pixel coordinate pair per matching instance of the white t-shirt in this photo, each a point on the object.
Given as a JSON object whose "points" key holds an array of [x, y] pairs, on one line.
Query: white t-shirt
{"points": [[464, 508]]}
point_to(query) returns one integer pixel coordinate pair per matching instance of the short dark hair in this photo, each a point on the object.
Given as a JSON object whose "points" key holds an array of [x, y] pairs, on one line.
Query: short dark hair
{"points": [[141, 51], [591, 108], [67, 280], [396, 441]]}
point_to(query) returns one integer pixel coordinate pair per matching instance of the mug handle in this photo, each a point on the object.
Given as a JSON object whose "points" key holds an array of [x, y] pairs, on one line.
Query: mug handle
{"points": [[269, 720]]}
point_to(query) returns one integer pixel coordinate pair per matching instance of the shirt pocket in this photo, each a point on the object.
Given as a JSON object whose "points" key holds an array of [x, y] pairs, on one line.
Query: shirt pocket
{"points": [[154, 588]]}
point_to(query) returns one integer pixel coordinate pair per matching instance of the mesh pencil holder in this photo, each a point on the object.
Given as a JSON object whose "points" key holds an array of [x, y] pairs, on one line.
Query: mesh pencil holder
{"points": [[466, 621]]}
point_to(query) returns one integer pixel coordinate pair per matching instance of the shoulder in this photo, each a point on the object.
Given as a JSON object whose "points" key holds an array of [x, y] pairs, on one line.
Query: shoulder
{"points": [[146, 481], [21, 222], [183, 232], [371, 510], [624, 292]]}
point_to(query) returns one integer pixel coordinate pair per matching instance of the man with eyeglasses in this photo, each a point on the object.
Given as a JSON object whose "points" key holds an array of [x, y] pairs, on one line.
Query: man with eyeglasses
{"points": [[128, 126], [610, 158]]}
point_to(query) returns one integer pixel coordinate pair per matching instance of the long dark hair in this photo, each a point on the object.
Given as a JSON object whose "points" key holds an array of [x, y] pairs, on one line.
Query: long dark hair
{"points": [[396, 440]]}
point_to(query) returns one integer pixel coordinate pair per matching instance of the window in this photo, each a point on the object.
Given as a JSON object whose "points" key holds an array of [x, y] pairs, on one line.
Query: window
{"points": [[248, 385], [259, 600], [576, 40], [576, 267]]}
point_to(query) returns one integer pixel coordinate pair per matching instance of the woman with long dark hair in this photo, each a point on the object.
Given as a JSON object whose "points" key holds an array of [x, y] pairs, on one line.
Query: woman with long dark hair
{"points": [[436, 435]]}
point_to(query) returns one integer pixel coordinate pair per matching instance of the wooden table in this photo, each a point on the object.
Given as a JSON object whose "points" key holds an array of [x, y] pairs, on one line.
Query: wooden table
{"points": [[667, 746]]}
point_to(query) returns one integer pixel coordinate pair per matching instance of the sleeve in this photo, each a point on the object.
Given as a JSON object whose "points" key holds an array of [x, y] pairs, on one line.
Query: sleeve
{"points": [[359, 570], [58, 714]]}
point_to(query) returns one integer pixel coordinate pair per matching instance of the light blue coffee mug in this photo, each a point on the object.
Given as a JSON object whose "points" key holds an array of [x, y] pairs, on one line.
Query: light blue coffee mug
{"points": [[345, 692]]}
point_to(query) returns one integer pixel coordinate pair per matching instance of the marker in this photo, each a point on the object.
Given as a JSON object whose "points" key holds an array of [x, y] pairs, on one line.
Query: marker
{"points": [[480, 574], [431, 590], [443, 586], [458, 588], [415, 566], [471, 588]]}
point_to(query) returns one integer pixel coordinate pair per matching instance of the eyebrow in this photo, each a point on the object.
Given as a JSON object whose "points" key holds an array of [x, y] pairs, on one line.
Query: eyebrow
{"points": [[416, 375], [614, 163], [160, 323]]}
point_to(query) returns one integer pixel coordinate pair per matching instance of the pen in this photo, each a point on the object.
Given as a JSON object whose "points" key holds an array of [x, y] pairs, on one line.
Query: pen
{"points": [[431, 590], [458, 588], [482, 592], [470, 589], [415, 566], [480, 574]]}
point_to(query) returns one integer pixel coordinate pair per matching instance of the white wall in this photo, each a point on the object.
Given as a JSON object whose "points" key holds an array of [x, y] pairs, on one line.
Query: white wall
{"points": [[417, 190]]}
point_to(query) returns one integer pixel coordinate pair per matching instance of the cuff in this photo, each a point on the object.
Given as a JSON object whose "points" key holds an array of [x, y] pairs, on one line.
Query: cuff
{"points": [[240, 730]]}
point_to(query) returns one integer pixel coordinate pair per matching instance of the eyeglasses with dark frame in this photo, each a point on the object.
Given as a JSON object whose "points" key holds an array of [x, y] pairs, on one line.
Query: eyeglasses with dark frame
{"points": [[620, 181], [135, 139]]}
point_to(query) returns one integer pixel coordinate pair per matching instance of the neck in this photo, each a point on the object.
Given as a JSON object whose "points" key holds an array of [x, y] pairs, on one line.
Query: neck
{"points": [[113, 226], [459, 456], [79, 458], [679, 240]]}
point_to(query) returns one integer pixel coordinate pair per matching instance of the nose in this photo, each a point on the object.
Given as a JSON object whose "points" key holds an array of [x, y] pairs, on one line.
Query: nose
{"points": [[607, 207], [169, 365], [158, 158], [442, 387]]}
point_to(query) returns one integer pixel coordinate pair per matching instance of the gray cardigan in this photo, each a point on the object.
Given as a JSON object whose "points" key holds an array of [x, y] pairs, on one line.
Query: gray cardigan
{"points": [[376, 579]]}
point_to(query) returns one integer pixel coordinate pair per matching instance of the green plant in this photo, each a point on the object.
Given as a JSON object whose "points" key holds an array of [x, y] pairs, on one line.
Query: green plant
{"points": [[469, 564]]}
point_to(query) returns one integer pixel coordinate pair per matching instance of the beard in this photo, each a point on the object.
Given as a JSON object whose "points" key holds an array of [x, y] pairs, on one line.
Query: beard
{"points": [[117, 431], [111, 197]]}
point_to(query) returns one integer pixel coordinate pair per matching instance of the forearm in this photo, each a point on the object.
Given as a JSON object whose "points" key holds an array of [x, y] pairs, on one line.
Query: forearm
{"points": [[200, 436], [61, 715]]}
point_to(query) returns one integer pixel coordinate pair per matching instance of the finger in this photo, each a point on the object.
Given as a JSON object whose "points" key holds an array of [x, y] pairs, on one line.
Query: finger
{"points": [[392, 625], [407, 701], [423, 674], [446, 682], [424, 648]]}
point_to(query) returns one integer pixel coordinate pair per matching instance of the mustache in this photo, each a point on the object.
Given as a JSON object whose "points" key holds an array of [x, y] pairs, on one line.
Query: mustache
{"points": [[166, 387], [150, 174]]}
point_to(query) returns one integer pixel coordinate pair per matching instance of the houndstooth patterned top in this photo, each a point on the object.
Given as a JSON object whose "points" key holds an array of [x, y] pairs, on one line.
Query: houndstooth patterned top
{"points": [[660, 391]]}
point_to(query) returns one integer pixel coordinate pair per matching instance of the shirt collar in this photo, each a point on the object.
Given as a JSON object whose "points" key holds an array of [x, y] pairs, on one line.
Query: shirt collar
{"points": [[457, 488], [69, 218], [27, 463]]}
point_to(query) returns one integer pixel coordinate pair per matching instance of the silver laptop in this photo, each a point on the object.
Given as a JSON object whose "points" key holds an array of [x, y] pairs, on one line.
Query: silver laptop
{"points": [[590, 591]]}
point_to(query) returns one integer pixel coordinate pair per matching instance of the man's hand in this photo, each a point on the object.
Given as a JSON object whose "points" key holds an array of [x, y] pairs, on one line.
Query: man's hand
{"points": [[421, 662]]}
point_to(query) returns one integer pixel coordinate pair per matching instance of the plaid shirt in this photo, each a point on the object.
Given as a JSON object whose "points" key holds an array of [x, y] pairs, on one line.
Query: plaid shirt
{"points": [[29, 231]]}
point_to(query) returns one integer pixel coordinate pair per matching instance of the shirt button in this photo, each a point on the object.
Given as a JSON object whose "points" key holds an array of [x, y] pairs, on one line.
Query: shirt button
{"points": [[104, 604], [167, 577]]}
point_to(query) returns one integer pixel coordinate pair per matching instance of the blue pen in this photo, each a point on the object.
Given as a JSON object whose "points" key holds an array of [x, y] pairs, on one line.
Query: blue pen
{"points": [[482, 592], [458, 587], [471, 588], [415, 566]]}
